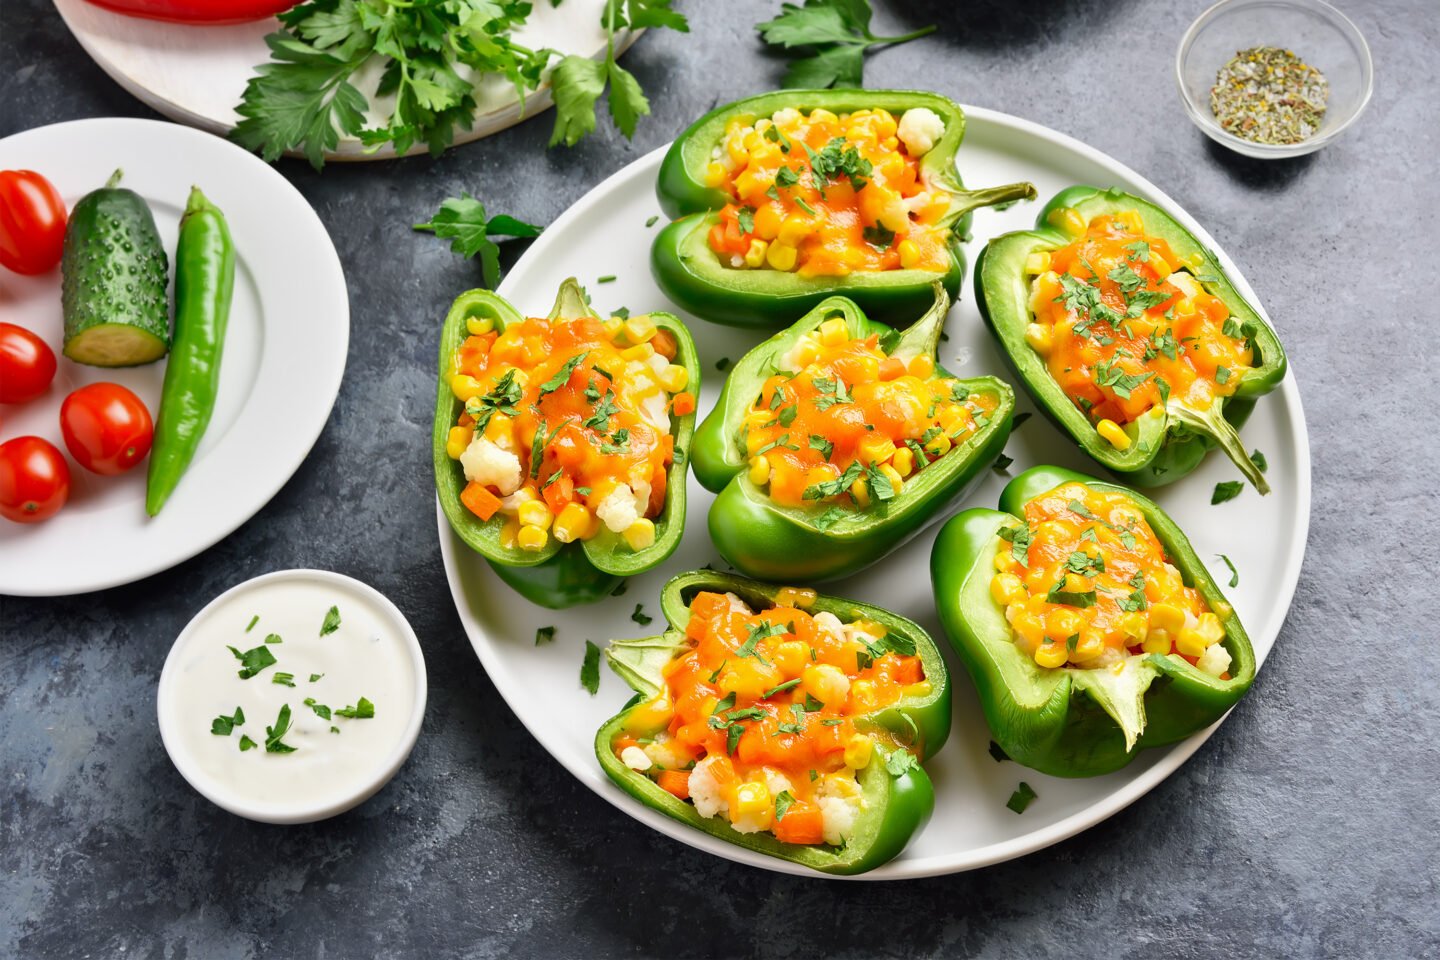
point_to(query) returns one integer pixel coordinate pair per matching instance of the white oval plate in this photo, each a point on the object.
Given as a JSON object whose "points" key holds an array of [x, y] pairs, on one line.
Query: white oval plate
{"points": [[284, 355], [605, 233], [197, 74]]}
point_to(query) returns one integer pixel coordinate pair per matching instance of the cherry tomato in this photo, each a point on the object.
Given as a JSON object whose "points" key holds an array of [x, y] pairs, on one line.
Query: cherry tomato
{"points": [[27, 364], [107, 428], [34, 480], [32, 222]]}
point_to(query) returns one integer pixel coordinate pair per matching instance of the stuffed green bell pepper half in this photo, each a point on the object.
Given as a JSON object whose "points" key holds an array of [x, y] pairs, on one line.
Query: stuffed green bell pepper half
{"points": [[1089, 625], [787, 198], [559, 442], [1129, 334], [782, 721], [837, 440]]}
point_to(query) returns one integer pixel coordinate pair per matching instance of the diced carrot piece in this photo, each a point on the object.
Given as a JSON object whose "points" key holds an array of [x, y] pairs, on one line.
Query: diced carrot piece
{"points": [[559, 493], [676, 782], [683, 404], [909, 671], [621, 742], [717, 238], [664, 344], [479, 500], [803, 823], [892, 368]]}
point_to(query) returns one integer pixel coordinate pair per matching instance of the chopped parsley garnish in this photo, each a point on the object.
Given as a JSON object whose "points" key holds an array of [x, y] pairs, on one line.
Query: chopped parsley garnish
{"points": [[878, 236], [900, 762], [780, 687], [640, 616], [1018, 537], [1021, 798], [501, 399], [786, 176], [732, 737], [315, 676], [600, 419], [747, 219], [1222, 375], [284, 679], [331, 623], [833, 488], [1139, 251], [1126, 278], [881, 487], [544, 635], [787, 414], [1227, 490], [253, 620], [800, 202], [619, 591], [254, 660], [1136, 601], [246, 743], [1084, 564], [1109, 374], [652, 220], [222, 725], [1069, 598], [590, 668], [273, 735], [321, 711], [1002, 463], [1234, 574], [363, 710], [783, 801], [758, 632], [722, 364], [273, 638], [828, 519], [540, 442], [821, 444], [1258, 458], [562, 376], [608, 278]]}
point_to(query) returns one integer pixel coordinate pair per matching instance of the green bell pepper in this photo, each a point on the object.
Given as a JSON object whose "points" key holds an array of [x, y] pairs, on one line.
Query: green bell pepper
{"points": [[1068, 721], [560, 574], [898, 796], [1168, 441], [692, 275], [764, 539]]}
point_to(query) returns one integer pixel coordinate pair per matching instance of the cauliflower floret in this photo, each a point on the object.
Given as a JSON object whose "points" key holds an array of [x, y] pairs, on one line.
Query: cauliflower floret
{"points": [[705, 791], [776, 781], [1215, 660], [919, 129], [662, 753], [829, 624], [786, 117], [617, 511], [838, 796], [737, 605], [635, 758], [486, 463], [854, 634], [511, 504]]}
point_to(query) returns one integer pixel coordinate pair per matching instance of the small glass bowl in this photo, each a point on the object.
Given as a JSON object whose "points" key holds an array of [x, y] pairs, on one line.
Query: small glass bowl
{"points": [[1318, 33]]}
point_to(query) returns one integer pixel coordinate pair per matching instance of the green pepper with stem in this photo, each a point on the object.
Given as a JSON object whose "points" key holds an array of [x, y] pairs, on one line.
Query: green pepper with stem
{"points": [[766, 539], [1069, 720], [897, 796], [204, 287], [1170, 439], [693, 275], [558, 574]]}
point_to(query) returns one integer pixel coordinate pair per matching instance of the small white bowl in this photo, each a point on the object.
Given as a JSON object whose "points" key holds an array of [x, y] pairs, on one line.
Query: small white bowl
{"points": [[1318, 33], [182, 674]]}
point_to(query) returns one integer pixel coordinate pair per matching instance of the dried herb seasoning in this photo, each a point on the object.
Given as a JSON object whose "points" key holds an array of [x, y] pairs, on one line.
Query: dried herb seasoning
{"points": [[1269, 95]]}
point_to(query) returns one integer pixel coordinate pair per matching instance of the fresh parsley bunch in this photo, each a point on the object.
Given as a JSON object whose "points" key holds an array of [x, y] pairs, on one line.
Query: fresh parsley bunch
{"points": [[831, 38]]}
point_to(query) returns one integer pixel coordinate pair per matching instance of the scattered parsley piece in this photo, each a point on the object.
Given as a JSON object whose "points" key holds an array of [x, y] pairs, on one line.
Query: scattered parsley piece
{"points": [[562, 376], [246, 743], [900, 762], [315, 676], [640, 616], [274, 734], [544, 635], [332, 622], [1228, 490], [273, 638], [1258, 458], [222, 725], [1019, 537], [828, 519], [608, 278], [1234, 574], [321, 711], [779, 688], [829, 38], [253, 620], [1021, 798], [363, 710], [282, 678], [652, 221], [1069, 598], [462, 220], [732, 737], [590, 668], [254, 660], [783, 801]]}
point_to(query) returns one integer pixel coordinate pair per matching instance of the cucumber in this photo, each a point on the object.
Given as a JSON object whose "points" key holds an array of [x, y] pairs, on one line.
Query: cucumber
{"points": [[114, 298]]}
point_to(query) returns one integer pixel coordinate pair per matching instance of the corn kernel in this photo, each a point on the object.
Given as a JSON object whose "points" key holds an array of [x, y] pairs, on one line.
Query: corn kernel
{"points": [[1005, 560], [897, 482], [876, 449], [903, 461], [640, 328], [501, 430], [478, 326], [1190, 642], [674, 378], [860, 490], [1029, 627], [790, 656], [458, 440], [834, 332], [465, 387], [759, 470], [858, 751], [640, 534], [1165, 616], [735, 149], [649, 716], [862, 695], [1159, 264], [534, 513], [1038, 262], [1130, 220], [573, 523], [613, 327], [921, 689], [767, 222], [806, 352], [825, 683], [1067, 219], [531, 538], [1133, 625], [781, 256], [922, 366], [1040, 337], [715, 174], [1156, 641], [909, 254], [1088, 647], [802, 598], [641, 351], [939, 446], [890, 143], [795, 228], [1114, 434], [752, 800], [1006, 588], [1051, 654], [755, 256]]}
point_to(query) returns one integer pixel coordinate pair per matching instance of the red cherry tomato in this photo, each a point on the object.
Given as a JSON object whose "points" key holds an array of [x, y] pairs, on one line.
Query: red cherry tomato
{"points": [[34, 480], [32, 222], [198, 11], [107, 428], [27, 364]]}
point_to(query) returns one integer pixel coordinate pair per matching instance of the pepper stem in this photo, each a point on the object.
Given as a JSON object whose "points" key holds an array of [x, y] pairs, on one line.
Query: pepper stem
{"points": [[964, 201], [114, 180], [1212, 423]]}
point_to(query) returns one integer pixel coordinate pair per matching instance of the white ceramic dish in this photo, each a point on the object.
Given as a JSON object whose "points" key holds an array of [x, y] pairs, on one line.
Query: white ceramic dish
{"points": [[197, 74], [283, 360], [605, 233], [198, 682]]}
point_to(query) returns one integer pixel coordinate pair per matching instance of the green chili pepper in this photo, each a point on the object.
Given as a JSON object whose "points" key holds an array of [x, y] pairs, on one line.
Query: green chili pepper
{"points": [[692, 275], [764, 539], [898, 796], [1169, 440], [560, 574], [1069, 721], [204, 286]]}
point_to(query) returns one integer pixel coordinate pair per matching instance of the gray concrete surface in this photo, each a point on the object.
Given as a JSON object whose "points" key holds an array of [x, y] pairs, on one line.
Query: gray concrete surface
{"points": [[1306, 827]]}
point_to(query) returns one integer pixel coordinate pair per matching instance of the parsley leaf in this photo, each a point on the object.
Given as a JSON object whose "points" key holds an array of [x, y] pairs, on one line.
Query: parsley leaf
{"points": [[640, 616], [1258, 458], [562, 376], [462, 220], [274, 734], [363, 710], [331, 623], [900, 762], [1019, 539], [246, 743], [1021, 798], [222, 725], [1234, 574], [544, 635], [590, 668], [783, 801], [254, 660], [1228, 490], [830, 38]]}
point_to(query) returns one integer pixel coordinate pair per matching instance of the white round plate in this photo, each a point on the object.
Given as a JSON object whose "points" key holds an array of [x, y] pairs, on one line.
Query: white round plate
{"points": [[281, 368], [604, 234], [197, 74]]}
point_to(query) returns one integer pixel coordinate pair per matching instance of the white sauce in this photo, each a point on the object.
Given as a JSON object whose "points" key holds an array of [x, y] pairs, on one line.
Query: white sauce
{"points": [[365, 657]]}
